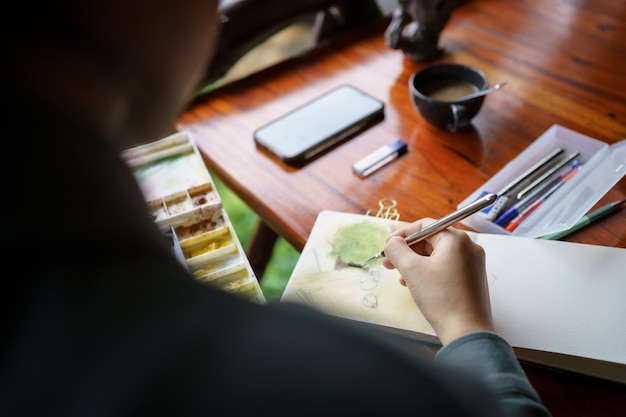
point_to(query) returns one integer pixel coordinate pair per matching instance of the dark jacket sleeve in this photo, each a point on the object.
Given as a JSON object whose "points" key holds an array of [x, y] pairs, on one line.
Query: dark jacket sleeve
{"points": [[490, 356]]}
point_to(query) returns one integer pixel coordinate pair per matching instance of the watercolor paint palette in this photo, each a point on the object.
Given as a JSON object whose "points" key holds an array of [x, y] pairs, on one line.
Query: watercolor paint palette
{"points": [[186, 206]]}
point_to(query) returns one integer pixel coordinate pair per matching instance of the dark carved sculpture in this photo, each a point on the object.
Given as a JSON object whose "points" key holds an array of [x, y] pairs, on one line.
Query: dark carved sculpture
{"points": [[416, 25]]}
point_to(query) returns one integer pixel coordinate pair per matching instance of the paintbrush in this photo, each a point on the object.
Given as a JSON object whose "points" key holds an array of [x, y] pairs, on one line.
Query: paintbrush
{"points": [[443, 223]]}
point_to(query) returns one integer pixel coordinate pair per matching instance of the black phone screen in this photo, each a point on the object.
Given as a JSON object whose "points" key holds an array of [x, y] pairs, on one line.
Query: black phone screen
{"points": [[319, 124]]}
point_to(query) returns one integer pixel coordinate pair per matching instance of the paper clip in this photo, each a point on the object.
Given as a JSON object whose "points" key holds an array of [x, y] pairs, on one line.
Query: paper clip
{"points": [[387, 209]]}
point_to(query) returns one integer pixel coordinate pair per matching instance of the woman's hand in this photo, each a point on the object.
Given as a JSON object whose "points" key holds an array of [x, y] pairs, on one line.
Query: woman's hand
{"points": [[446, 276]]}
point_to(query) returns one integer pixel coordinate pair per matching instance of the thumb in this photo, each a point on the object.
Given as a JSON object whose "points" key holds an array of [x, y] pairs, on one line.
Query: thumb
{"points": [[399, 253]]}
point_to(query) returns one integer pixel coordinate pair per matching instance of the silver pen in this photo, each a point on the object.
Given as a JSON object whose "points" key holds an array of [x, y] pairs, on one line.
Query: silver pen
{"points": [[439, 225], [503, 194], [547, 175]]}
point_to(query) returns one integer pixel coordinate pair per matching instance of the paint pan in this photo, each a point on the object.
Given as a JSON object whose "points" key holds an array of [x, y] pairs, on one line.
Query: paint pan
{"points": [[173, 178]]}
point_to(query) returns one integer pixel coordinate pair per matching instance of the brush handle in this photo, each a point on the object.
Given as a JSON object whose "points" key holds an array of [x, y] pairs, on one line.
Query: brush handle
{"points": [[452, 218], [443, 223]]}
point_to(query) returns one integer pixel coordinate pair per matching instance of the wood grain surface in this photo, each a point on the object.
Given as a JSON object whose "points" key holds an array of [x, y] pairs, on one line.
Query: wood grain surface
{"points": [[563, 64]]}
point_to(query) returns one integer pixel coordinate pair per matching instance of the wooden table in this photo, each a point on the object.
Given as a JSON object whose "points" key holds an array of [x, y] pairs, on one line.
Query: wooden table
{"points": [[563, 63]]}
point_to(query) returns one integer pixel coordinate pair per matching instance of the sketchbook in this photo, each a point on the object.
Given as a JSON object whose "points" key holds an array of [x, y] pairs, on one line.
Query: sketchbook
{"points": [[559, 304]]}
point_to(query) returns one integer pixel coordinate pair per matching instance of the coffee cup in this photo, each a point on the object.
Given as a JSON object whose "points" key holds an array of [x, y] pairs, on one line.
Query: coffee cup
{"points": [[437, 92]]}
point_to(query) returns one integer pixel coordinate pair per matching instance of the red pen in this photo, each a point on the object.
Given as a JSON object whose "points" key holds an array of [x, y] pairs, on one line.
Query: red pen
{"points": [[530, 209]]}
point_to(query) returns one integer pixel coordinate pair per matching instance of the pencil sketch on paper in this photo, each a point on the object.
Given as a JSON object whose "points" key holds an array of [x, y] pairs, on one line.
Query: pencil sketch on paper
{"points": [[348, 243], [322, 278]]}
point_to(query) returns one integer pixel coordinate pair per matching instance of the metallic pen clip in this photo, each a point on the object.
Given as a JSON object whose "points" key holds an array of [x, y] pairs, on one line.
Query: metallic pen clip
{"points": [[531, 171], [439, 225], [547, 175]]}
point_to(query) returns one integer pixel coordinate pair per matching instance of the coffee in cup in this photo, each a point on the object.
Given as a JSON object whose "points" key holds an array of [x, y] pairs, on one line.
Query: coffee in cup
{"points": [[438, 93]]}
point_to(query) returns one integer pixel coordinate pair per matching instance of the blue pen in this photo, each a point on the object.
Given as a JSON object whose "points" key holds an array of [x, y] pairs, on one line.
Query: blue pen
{"points": [[504, 219]]}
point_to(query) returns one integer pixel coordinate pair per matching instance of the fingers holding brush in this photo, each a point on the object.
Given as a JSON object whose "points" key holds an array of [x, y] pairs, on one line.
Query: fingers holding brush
{"points": [[446, 276], [422, 248]]}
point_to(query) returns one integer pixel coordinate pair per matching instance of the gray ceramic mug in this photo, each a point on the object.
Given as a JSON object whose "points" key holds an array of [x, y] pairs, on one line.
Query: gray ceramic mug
{"points": [[436, 91]]}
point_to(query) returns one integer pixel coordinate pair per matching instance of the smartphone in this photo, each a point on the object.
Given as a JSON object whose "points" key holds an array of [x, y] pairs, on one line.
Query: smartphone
{"points": [[319, 124]]}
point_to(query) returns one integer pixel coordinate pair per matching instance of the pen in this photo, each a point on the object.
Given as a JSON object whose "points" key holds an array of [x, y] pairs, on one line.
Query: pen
{"points": [[493, 211], [589, 218], [547, 175], [515, 210], [504, 219], [513, 224], [439, 225]]}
